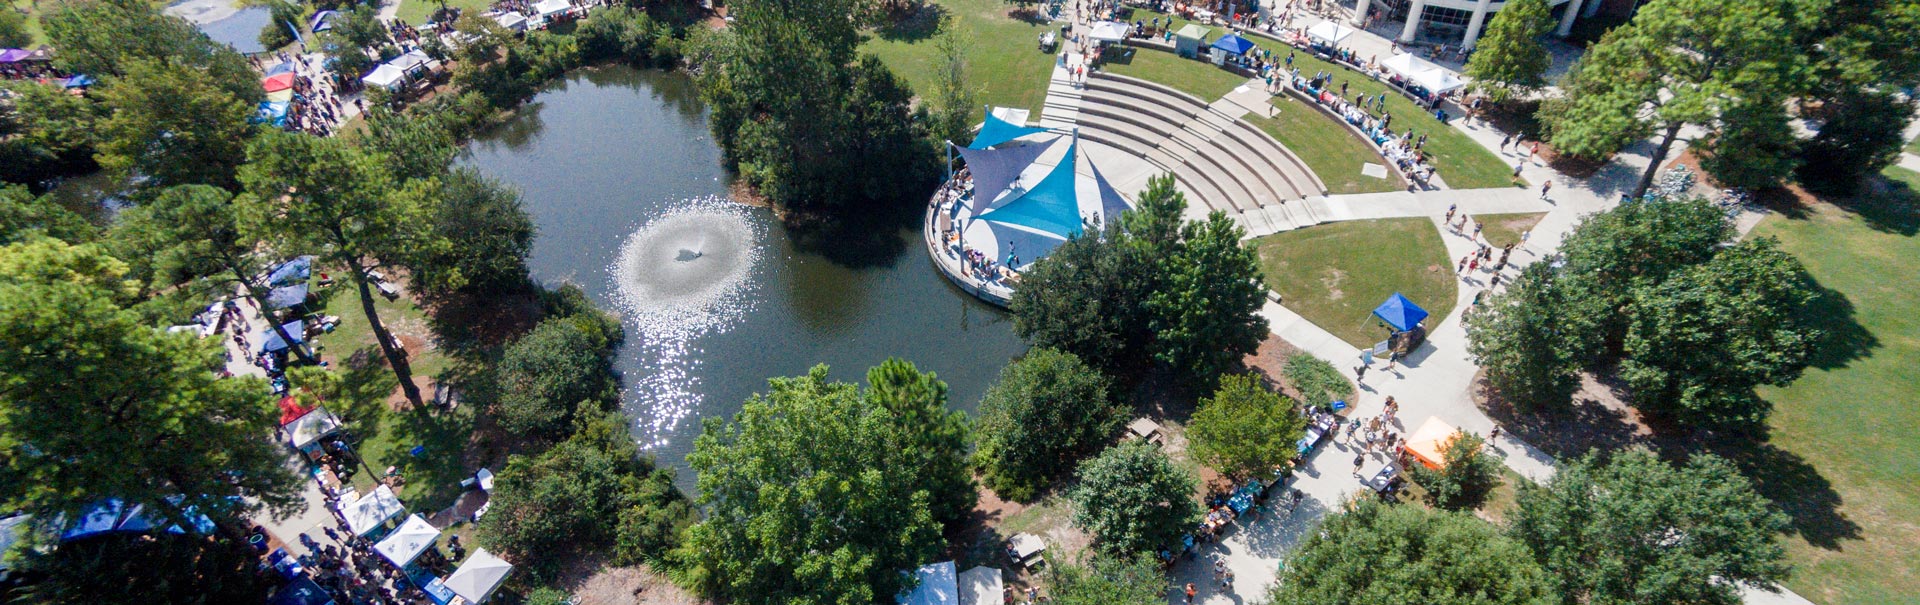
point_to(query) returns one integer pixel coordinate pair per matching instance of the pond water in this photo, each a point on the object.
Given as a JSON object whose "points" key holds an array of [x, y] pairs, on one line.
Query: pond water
{"points": [[619, 171]]}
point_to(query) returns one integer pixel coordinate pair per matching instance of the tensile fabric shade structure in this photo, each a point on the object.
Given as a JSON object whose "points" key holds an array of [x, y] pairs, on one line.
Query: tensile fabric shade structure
{"points": [[1400, 313], [479, 576], [995, 131]]}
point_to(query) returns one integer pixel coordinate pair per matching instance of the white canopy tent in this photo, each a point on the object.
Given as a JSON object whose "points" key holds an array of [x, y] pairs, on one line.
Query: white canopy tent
{"points": [[408, 541], [981, 586], [367, 512], [414, 59], [511, 20], [936, 586], [1407, 65], [1438, 80], [1330, 32], [478, 576], [385, 76], [312, 427], [1108, 31], [548, 8]]}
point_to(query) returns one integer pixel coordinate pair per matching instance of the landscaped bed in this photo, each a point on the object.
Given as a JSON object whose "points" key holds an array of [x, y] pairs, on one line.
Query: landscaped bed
{"points": [[1191, 76], [1335, 274], [1333, 152]]}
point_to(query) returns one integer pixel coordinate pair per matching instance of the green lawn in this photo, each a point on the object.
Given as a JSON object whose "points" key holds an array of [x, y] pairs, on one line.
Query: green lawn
{"points": [[1331, 150], [1851, 420], [1191, 76], [416, 12], [1913, 146], [1461, 162], [1502, 229], [1006, 66], [1335, 274]]}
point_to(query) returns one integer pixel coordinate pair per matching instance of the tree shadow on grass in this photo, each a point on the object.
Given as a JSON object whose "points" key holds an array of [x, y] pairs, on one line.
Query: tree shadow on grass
{"points": [[1888, 205], [1842, 339], [1809, 499], [921, 24]]}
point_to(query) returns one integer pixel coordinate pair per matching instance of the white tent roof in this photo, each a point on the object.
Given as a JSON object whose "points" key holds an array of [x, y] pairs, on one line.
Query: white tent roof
{"points": [[412, 538], [981, 586], [1332, 32], [547, 8], [1407, 65], [413, 59], [369, 511], [478, 576], [511, 20], [311, 427], [385, 76], [936, 586], [1108, 31], [1438, 80]]}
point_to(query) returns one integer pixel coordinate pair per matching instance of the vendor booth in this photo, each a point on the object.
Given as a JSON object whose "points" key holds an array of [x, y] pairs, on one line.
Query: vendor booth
{"points": [[366, 513], [479, 576], [414, 536], [385, 76], [981, 586], [1329, 33], [1108, 32], [1405, 319], [934, 584], [305, 433], [1230, 47], [1189, 39], [1426, 443]]}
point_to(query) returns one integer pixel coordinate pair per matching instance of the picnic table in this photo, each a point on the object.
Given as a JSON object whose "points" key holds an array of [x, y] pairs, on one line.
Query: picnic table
{"points": [[1026, 549], [1144, 429]]}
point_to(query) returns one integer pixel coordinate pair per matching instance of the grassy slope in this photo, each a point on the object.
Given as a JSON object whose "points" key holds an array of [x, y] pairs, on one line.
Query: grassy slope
{"points": [[1853, 418], [416, 12], [1006, 66], [1329, 149], [1335, 274], [1194, 77], [1461, 162], [1502, 229]]}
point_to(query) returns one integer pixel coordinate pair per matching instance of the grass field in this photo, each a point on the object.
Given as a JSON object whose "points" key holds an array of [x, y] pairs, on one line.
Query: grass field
{"points": [[1852, 417], [1502, 229], [1006, 66], [1461, 162], [1335, 274], [1913, 146], [416, 12], [1329, 149], [1194, 77]]}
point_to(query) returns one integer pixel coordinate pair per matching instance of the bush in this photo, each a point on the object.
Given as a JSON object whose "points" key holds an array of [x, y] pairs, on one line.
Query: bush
{"points": [[1377, 553], [560, 370], [1134, 500], [1046, 412], [1319, 383], [1244, 430], [1466, 480]]}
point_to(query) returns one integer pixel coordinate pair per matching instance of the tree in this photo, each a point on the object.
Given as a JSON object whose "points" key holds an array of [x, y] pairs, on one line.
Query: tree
{"points": [[416, 146], [1677, 63], [805, 501], [1244, 430], [1519, 339], [352, 33], [561, 370], [13, 29], [489, 235], [1133, 499], [103, 38], [1376, 553], [96, 404], [590, 492], [1109, 580], [953, 92], [24, 217], [1046, 411], [47, 132], [1466, 478], [1862, 55], [1207, 317], [1755, 148], [1861, 134], [1701, 341], [128, 568], [931, 439], [1639, 530], [173, 125], [1611, 253], [1509, 57], [322, 196], [1088, 299]]}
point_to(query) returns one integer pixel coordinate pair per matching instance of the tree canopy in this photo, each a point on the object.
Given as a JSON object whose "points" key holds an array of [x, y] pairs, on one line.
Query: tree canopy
{"points": [[1636, 529], [1046, 411], [929, 438], [1134, 500], [1245, 430], [1509, 57], [1377, 554], [1467, 477], [561, 370], [1108, 580], [1516, 338], [173, 124], [128, 569]]}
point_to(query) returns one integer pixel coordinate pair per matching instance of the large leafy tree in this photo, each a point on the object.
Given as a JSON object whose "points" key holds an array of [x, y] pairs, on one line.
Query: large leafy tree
{"points": [[1520, 340], [489, 235], [173, 124], [1134, 499], [1207, 316], [590, 492], [561, 370], [1639, 530], [1086, 299], [1700, 342], [125, 568], [806, 501], [1244, 430], [97, 404], [927, 436], [1677, 63], [46, 132], [1863, 56], [1467, 478], [323, 196], [104, 38], [1611, 253], [1045, 412], [24, 216], [1509, 57], [953, 94], [1376, 553], [1108, 580]]}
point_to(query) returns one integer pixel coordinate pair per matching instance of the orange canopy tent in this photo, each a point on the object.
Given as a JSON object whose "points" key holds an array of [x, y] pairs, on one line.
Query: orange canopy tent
{"points": [[1426, 442]]}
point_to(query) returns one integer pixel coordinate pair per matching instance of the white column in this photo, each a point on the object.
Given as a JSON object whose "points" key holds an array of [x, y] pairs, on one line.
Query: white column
{"points": [[1360, 13], [1478, 22], [1593, 9], [1413, 20], [1566, 18]]}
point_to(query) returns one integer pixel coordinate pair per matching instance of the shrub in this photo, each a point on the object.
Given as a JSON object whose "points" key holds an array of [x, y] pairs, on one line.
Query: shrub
{"points": [[1046, 412]]}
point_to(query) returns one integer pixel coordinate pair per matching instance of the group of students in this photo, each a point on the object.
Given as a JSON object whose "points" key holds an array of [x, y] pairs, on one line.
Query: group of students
{"points": [[352, 573], [1405, 150]]}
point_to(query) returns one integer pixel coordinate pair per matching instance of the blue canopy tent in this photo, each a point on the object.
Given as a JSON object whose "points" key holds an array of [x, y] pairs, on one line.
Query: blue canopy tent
{"points": [[1400, 313], [284, 67], [80, 81], [996, 131], [301, 591], [271, 112], [1233, 44], [291, 272], [1052, 205], [287, 296]]}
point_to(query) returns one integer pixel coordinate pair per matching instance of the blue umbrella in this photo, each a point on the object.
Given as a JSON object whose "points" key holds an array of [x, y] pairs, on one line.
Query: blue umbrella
{"points": [[1400, 313]]}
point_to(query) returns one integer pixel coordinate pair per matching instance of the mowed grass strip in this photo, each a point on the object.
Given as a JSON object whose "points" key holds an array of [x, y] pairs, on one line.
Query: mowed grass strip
{"points": [[1849, 457], [1461, 162], [1334, 153], [1502, 229], [1191, 76], [1005, 64], [1335, 274], [416, 12]]}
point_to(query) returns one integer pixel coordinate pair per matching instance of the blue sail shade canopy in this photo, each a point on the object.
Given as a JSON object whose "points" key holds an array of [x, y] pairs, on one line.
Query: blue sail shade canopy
{"points": [[994, 170], [1052, 205], [1400, 313], [996, 131]]}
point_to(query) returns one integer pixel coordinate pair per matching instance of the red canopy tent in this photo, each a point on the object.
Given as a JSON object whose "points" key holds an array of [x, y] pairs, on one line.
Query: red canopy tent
{"points": [[291, 410], [277, 83]]}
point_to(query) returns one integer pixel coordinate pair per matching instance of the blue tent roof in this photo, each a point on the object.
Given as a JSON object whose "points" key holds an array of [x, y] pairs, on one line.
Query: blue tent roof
{"points": [[1233, 44], [1400, 313], [1111, 204], [80, 81], [1051, 205], [301, 591], [996, 131]]}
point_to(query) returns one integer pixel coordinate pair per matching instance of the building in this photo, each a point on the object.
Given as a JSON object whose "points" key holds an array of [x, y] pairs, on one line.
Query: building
{"points": [[1462, 21]]}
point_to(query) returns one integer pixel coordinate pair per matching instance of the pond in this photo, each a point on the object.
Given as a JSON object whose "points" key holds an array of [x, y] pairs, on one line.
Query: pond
{"points": [[715, 295]]}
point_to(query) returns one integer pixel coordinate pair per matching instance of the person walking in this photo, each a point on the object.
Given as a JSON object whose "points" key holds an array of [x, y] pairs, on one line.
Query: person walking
{"points": [[1462, 266], [1495, 434], [1450, 209], [1190, 593], [1359, 460], [1545, 186], [1360, 374], [1517, 166], [1477, 226]]}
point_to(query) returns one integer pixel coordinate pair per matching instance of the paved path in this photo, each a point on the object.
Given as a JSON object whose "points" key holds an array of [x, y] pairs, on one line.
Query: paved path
{"points": [[1910, 161]]}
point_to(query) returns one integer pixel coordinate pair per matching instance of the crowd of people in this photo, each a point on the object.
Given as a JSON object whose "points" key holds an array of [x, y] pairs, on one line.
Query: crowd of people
{"points": [[347, 567]]}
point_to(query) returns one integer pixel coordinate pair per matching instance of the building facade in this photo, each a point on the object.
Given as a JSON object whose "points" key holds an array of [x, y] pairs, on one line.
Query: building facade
{"points": [[1462, 21]]}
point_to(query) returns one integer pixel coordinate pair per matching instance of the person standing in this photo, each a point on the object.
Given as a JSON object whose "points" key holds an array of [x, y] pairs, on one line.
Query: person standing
{"points": [[1190, 593]]}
